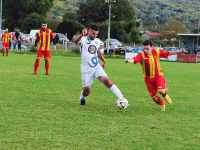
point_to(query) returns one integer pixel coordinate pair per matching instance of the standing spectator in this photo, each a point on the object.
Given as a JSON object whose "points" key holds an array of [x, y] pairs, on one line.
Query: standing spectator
{"points": [[195, 50], [6, 38], [17, 35], [44, 36], [19, 42], [56, 38]]}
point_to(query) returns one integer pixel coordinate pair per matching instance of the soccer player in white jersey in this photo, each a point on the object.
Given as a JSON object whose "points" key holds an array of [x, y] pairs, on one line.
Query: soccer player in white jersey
{"points": [[90, 67]]}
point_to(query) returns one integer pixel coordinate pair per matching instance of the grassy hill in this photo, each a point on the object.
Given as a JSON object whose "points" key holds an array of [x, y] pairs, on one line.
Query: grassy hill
{"points": [[185, 11]]}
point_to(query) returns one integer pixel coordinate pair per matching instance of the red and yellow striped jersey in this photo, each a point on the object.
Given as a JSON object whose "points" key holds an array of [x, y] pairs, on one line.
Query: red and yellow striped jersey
{"points": [[150, 63], [6, 36], [44, 38]]}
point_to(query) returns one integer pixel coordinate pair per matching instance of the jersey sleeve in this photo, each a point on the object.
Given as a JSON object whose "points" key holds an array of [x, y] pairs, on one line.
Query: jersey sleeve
{"points": [[37, 36], [138, 58], [9, 35], [51, 35], [164, 54]]}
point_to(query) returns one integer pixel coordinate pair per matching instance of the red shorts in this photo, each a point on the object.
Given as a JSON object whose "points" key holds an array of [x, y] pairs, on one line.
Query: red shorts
{"points": [[47, 54], [155, 84], [5, 45]]}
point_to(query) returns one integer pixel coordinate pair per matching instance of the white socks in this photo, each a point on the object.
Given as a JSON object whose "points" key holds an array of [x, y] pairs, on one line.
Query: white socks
{"points": [[82, 97], [116, 91]]}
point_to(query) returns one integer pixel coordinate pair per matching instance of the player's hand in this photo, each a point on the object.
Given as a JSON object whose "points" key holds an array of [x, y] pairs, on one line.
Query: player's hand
{"points": [[54, 47], [84, 32], [182, 50], [103, 65], [126, 60], [36, 48]]}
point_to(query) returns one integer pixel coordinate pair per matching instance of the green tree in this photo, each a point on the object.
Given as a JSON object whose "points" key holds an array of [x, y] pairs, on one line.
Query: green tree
{"points": [[71, 27], [97, 11], [15, 11], [150, 24], [32, 21], [70, 15]]}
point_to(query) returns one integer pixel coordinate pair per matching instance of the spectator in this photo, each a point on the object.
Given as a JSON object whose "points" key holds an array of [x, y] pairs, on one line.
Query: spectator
{"points": [[195, 50], [19, 43], [14, 44], [17, 35], [56, 38]]}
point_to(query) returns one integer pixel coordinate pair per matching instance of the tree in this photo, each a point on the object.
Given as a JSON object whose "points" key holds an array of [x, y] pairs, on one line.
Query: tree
{"points": [[71, 27], [171, 28], [15, 11], [150, 24], [97, 11], [32, 21], [70, 15]]}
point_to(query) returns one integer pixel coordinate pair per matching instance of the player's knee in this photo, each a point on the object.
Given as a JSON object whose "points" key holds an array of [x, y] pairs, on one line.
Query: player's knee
{"points": [[46, 60], [37, 59], [86, 92], [163, 92]]}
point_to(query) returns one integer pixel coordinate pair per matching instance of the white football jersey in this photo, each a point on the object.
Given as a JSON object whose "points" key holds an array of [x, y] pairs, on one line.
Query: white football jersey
{"points": [[88, 52]]}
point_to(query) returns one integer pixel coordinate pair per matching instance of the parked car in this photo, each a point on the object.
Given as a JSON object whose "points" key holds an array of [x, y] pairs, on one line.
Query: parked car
{"points": [[128, 48], [135, 50], [170, 49], [23, 37], [62, 37], [113, 42], [120, 50], [29, 38]]}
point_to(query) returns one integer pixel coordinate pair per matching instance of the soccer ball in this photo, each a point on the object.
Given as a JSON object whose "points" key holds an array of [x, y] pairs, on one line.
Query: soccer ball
{"points": [[122, 103]]}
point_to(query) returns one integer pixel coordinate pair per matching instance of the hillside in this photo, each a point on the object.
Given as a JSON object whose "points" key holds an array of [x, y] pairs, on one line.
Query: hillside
{"points": [[185, 11]]}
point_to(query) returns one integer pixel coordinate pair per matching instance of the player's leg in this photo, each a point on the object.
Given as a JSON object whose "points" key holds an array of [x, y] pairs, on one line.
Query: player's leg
{"points": [[37, 61], [3, 51], [7, 49], [84, 94], [47, 66], [47, 57], [151, 86], [87, 80], [102, 76], [162, 88]]}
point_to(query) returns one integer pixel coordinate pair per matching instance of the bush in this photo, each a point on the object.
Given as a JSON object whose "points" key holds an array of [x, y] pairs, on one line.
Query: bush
{"points": [[76, 50], [32, 49]]}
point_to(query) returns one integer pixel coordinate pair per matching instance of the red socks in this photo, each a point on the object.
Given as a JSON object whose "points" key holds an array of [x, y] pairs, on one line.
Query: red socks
{"points": [[158, 100], [47, 66], [7, 52], [3, 51], [36, 66]]}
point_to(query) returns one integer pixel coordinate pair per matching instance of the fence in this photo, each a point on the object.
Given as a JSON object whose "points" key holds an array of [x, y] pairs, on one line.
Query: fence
{"points": [[62, 46]]}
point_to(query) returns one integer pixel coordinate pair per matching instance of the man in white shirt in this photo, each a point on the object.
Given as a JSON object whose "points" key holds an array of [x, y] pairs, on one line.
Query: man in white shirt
{"points": [[90, 67]]}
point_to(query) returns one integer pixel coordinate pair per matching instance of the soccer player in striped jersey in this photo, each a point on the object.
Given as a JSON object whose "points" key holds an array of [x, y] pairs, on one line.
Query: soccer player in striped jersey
{"points": [[44, 37], [6, 36], [153, 75]]}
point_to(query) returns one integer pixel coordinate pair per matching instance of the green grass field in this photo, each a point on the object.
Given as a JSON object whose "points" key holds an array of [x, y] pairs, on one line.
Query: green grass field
{"points": [[43, 112]]}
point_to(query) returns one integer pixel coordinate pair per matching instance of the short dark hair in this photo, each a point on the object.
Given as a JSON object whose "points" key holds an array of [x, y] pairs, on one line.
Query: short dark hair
{"points": [[94, 27], [44, 22], [148, 42]]}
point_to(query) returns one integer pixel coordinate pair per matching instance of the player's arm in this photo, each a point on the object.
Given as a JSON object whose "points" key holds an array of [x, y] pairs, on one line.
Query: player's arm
{"points": [[36, 41], [131, 60], [78, 39], [54, 40], [177, 52], [102, 58]]}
